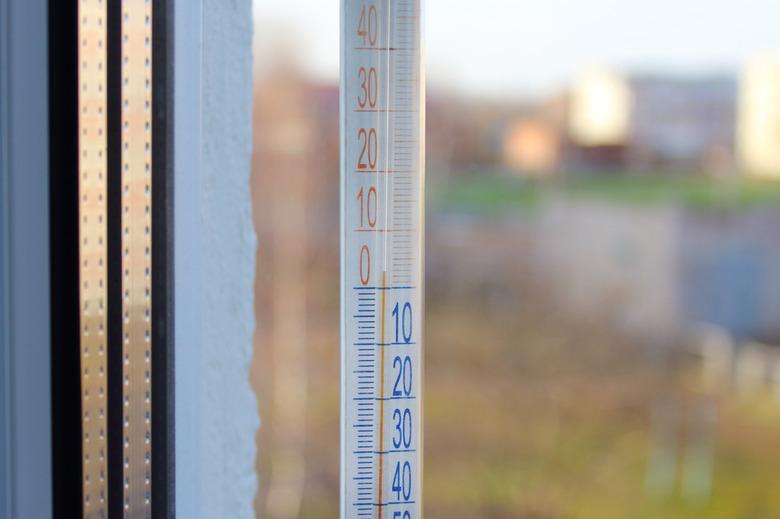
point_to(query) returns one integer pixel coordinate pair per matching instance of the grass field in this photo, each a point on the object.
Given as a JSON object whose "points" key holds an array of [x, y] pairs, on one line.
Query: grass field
{"points": [[528, 416], [494, 193], [525, 418]]}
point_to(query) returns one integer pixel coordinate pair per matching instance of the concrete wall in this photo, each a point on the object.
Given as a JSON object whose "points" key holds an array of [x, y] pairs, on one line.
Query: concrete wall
{"points": [[660, 270], [730, 271], [230, 411], [216, 411], [612, 261]]}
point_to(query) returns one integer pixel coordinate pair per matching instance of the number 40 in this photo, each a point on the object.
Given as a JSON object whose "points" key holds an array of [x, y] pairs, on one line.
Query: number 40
{"points": [[367, 25]]}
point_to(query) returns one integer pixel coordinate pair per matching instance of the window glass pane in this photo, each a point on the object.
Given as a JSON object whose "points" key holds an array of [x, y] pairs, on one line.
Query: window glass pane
{"points": [[603, 268]]}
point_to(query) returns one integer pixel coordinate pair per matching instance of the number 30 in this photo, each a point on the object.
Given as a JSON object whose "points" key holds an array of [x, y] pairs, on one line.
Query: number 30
{"points": [[368, 84]]}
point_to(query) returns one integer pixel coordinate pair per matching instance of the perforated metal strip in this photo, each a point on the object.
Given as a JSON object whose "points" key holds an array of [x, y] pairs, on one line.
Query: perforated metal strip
{"points": [[92, 251], [137, 255]]}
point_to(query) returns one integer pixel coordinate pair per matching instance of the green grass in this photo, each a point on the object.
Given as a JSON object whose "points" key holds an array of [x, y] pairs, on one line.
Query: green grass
{"points": [[528, 418], [691, 192], [491, 193], [568, 435], [485, 194]]}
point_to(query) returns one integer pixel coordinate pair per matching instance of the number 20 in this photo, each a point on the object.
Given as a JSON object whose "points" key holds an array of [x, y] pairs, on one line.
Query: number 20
{"points": [[403, 380], [368, 152]]}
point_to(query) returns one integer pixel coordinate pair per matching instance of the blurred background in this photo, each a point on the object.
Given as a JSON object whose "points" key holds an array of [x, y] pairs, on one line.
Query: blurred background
{"points": [[603, 261]]}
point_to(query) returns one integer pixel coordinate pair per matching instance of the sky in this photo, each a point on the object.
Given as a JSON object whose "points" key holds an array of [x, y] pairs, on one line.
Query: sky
{"points": [[520, 48]]}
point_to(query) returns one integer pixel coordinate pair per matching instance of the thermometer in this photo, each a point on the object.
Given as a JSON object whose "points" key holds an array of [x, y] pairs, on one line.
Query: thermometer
{"points": [[382, 194]]}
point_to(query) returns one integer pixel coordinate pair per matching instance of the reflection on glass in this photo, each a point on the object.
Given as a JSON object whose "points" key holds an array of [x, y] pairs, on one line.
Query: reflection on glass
{"points": [[603, 268]]}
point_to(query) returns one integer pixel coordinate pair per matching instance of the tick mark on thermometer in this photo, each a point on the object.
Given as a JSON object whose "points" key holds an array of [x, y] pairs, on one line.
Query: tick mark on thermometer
{"points": [[382, 390], [386, 49], [383, 111]]}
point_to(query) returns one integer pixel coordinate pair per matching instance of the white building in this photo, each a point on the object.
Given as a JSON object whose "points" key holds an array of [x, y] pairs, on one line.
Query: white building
{"points": [[656, 120], [758, 134]]}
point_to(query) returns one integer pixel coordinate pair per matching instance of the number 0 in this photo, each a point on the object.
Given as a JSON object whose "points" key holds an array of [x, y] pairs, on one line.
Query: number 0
{"points": [[365, 265]]}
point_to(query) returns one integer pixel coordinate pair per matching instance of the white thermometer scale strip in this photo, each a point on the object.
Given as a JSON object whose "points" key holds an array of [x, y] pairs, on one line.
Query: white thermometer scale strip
{"points": [[382, 172]]}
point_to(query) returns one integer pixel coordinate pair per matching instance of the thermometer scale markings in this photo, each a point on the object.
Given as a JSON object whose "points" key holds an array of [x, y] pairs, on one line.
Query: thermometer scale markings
{"points": [[381, 191]]}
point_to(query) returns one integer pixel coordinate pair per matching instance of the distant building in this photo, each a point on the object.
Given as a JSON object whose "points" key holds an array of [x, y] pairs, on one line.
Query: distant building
{"points": [[650, 122], [532, 147], [469, 136], [600, 109], [684, 122], [758, 135], [659, 270]]}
